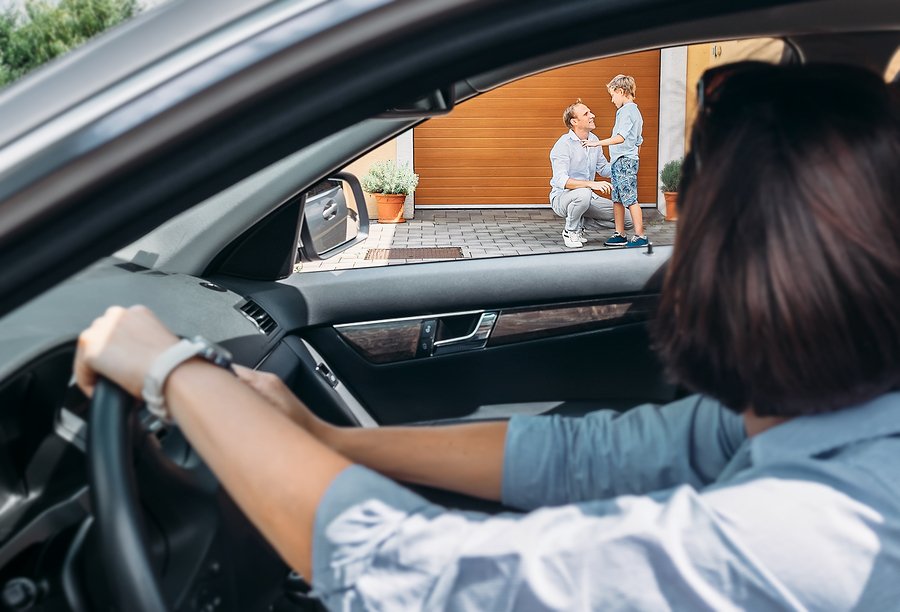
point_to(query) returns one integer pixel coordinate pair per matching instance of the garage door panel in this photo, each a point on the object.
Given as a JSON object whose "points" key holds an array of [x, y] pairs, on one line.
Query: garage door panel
{"points": [[543, 139], [437, 134], [595, 93], [453, 122], [494, 149], [603, 70], [502, 107], [500, 189], [493, 157], [587, 88], [522, 170], [597, 99], [480, 158], [482, 201], [496, 191], [512, 144], [499, 181]]}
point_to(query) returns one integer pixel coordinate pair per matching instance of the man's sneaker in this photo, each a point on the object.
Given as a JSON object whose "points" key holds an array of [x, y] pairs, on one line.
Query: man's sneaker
{"points": [[577, 235], [637, 241], [570, 239], [617, 240]]}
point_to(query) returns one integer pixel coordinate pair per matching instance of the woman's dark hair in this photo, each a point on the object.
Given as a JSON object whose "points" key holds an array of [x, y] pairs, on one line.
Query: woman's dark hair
{"points": [[783, 290]]}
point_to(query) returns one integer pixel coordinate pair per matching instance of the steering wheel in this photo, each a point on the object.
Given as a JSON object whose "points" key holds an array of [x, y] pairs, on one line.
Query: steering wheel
{"points": [[184, 543], [114, 501]]}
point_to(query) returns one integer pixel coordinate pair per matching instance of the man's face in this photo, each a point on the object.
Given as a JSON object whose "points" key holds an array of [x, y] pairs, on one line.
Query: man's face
{"points": [[584, 118], [617, 96]]}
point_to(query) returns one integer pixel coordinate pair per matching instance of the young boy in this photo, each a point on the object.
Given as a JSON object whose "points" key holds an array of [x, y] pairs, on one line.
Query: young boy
{"points": [[623, 145]]}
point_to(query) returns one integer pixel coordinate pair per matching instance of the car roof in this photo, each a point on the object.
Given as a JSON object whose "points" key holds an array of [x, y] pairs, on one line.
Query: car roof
{"points": [[187, 103], [126, 49]]}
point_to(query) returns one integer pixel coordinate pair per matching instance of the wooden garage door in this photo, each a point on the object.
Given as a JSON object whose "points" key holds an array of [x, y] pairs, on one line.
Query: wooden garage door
{"points": [[495, 149]]}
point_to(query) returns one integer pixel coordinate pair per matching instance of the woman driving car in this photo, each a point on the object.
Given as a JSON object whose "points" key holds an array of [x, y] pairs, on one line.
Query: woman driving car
{"points": [[773, 486]]}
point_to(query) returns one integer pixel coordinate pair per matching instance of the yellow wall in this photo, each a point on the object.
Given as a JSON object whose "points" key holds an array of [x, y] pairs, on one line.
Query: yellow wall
{"points": [[893, 67], [358, 168], [701, 57]]}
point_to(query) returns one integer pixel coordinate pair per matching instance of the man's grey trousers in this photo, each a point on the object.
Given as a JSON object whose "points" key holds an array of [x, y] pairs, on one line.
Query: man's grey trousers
{"points": [[576, 205]]}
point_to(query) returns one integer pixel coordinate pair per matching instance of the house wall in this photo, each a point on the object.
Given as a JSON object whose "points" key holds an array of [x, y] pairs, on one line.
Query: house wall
{"points": [[893, 69], [703, 56], [358, 168], [672, 87]]}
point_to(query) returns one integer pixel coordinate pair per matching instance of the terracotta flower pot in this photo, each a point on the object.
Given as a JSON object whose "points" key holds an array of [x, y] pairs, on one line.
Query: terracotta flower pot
{"points": [[390, 207], [671, 198]]}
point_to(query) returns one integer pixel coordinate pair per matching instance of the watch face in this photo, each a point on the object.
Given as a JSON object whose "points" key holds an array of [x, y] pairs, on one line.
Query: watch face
{"points": [[214, 354], [221, 361]]}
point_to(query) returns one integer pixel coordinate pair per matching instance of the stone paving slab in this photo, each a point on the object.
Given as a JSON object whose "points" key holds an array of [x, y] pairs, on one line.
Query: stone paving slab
{"points": [[480, 233]]}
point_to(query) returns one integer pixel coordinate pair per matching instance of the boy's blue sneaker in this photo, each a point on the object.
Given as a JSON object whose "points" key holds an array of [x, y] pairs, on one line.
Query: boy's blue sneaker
{"points": [[617, 240], [637, 241]]}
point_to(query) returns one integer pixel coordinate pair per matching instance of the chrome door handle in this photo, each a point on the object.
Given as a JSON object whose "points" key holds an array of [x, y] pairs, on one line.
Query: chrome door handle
{"points": [[476, 339], [330, 210]]}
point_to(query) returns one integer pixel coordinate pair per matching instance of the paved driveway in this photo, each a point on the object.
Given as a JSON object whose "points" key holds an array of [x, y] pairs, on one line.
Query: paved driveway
{"points": [[476, 233]]}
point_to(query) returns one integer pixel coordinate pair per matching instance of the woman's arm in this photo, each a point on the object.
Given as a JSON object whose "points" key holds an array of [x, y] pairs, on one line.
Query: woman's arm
{"points": [[535, 461], [462, 458], [232, 426], [276, 473], [227, 422]]}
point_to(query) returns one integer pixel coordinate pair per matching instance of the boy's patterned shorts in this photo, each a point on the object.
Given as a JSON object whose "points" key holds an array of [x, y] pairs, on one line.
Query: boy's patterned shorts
{"points": [[624, 181]]}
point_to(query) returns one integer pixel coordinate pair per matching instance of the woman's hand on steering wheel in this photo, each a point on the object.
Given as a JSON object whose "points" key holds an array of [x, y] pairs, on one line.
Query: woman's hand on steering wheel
{"points": [[121, 345]]}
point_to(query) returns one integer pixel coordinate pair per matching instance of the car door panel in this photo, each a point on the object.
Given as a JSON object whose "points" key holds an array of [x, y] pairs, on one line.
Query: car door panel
{"points": [[392, 340], [614, 363], [569, 335]]}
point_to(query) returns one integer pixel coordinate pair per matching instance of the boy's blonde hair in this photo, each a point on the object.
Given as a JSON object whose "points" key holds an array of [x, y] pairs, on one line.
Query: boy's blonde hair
{"points": [[569, 113], [624, 82]]}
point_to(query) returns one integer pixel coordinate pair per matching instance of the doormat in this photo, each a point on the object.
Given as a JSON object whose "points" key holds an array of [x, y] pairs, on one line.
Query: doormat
{"points": [[416, 253]]}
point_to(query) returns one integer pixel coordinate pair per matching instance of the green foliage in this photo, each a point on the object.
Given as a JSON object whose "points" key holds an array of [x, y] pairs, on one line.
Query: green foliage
{"points": [[387, 176], [42, 30], [670, 175]]}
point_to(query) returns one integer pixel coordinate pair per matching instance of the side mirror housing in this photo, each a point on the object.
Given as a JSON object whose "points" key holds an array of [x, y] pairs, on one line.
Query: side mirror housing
{"points": [[334, 217]]}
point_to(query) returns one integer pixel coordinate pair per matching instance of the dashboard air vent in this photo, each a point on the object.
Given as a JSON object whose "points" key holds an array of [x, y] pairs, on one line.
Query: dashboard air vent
{"points": [[260, 317]]}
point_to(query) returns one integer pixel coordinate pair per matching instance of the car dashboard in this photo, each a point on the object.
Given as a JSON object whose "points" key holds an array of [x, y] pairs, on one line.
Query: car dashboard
{"points": [[44, 493]]}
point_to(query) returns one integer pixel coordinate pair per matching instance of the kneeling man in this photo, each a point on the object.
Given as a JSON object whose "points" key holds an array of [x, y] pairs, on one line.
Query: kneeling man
{"points": [[574, 169]]}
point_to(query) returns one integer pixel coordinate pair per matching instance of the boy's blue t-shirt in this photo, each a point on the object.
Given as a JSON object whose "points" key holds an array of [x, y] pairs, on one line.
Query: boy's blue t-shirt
{"points": [[630, 124]]}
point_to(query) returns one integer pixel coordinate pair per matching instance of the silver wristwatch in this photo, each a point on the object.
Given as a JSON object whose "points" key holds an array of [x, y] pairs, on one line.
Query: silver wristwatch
{"points": [[170, 359]]}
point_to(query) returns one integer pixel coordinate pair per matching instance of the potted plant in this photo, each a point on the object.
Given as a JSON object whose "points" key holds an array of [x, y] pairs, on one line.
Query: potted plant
{"points": [[670, 177], [390, 183]]}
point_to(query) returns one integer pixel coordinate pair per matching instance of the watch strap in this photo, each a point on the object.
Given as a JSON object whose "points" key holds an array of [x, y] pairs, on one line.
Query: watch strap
{"points": [[159, 371], [171, 358]]}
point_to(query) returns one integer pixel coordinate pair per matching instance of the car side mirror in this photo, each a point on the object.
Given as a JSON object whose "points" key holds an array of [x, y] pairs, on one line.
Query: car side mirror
{"points": [[334, 217]]}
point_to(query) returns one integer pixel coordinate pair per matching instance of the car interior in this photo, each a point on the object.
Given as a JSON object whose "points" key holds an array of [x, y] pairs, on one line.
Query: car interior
{"points": [[181, 181]]}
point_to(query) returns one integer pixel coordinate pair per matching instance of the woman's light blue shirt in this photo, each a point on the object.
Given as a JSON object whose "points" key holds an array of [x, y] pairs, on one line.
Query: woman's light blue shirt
{"points": [[668, 508]]}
